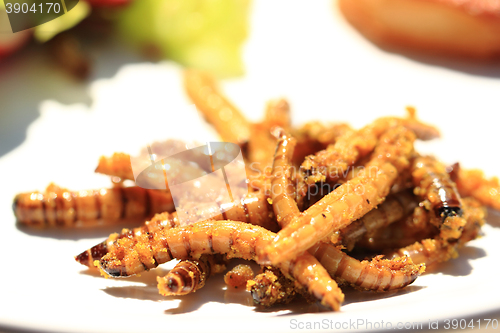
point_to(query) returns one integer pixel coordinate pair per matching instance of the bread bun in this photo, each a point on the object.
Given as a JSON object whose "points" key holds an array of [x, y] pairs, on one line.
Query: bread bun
{"points": [[466, 28]]}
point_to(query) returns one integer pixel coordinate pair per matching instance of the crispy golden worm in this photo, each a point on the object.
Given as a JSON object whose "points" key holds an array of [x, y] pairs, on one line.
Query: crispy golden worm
{"points": [[348, 202], [60, 207], [215, 107], [190, 275], [235, 239]]}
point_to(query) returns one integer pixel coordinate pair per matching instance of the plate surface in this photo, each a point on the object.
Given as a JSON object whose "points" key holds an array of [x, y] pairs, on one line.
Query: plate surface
{"points": [[54, 130]]}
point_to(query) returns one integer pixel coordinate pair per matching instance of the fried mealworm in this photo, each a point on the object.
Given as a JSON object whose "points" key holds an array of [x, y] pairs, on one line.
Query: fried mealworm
{"points": [[234, 239], [309, 138], [60, 207], [473, 183], [435, 250], [375, 275], [339, 157], [393, 209], [433, 184], [378, 274], [261, 142], [348, 202], [238, 276], [283, 190], [190, 275], [216, 108], [253, 209]]}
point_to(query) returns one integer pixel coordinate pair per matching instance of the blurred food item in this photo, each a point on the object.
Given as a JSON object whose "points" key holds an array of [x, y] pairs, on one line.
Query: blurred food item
{"points": [[73, 17], [203, 34], [10, 42], [67, 53], [463, 28], [215, 107]]}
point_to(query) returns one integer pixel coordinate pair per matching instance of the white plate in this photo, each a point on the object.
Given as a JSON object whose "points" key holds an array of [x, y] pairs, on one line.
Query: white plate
{"points": [[301, 50]]}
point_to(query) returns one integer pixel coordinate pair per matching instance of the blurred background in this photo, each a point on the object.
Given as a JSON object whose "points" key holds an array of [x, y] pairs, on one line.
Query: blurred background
{"points": [[107, 74]]}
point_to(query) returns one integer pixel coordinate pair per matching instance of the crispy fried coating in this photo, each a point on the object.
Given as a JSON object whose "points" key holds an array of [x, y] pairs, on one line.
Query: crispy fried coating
{"points": [[190, 275], [238, 276], [348, 202], [215, 107], [58, 207], [235, 239]]}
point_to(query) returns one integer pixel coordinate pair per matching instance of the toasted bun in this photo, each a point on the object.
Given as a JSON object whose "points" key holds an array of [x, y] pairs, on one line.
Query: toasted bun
{"points": [[466, 28]]}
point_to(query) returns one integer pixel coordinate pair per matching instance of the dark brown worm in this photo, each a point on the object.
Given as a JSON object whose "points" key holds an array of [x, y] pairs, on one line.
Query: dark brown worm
{"points": [[433, 184], [336, 159], [235, 239], [435, 250], [190, 275], [60, 207], [407, 231], [253, 209]]}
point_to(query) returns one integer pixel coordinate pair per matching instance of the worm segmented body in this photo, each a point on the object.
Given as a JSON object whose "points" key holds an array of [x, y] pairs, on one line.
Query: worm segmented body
{"points": [[253, 209], [234, 239], [60, 207], [378, 274], [222, 114], [283, 190], [434, 185], [375, 275], [441, 198], [348, 202], [190, 275], [339, 157]]}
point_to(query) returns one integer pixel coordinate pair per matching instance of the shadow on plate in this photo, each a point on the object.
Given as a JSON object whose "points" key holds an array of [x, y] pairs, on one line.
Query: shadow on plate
{"points": [[459, 266], [216, 291]]}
